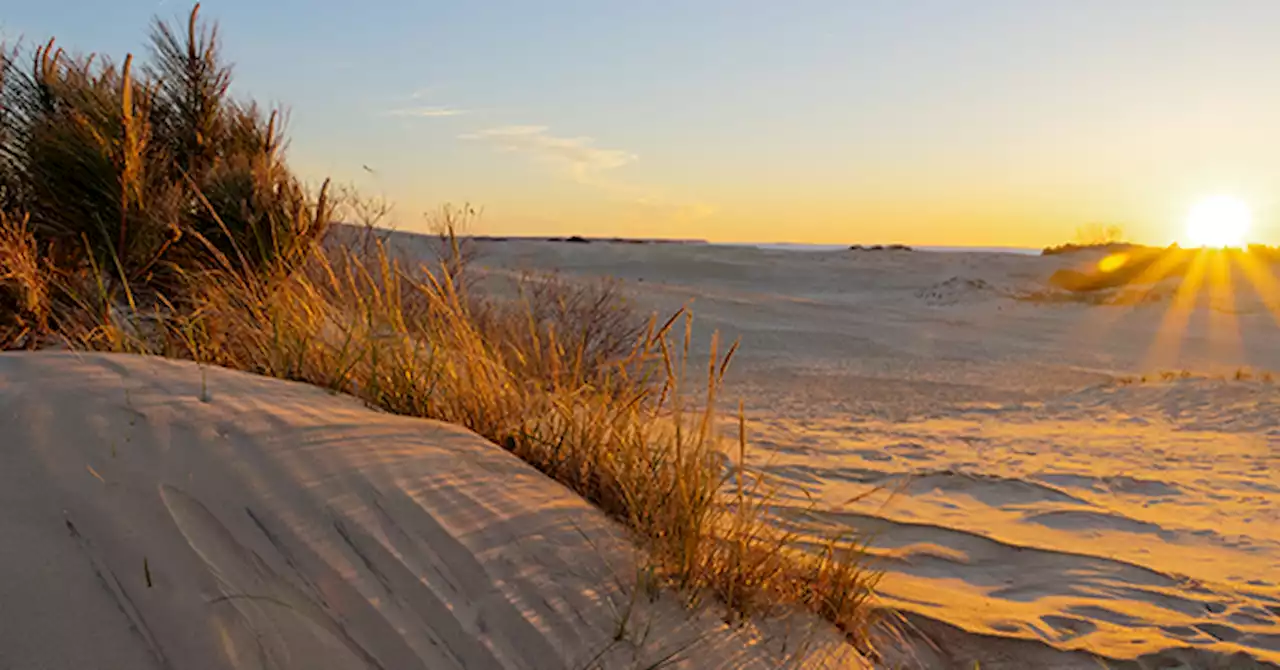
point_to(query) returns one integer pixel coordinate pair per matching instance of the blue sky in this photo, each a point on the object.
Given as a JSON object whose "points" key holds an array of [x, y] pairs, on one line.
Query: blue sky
{"points": [[943, 122]]}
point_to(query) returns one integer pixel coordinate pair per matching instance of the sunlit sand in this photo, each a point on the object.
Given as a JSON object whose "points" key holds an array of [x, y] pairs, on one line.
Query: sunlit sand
{"points": [[1091, 477]]}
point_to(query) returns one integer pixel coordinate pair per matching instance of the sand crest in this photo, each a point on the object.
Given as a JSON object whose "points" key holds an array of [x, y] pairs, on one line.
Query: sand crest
{"points": [[159, 514]]}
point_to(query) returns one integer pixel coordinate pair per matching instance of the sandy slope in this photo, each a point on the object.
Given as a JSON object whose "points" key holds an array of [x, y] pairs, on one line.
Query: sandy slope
{"points": [[155, 514], [1036, 497]]}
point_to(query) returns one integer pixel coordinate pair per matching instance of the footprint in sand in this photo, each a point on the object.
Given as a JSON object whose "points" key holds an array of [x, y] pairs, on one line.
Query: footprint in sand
{"points": [[909, 450], [1068, 628], [1104, 614], [1220, 631], [872, 455]]}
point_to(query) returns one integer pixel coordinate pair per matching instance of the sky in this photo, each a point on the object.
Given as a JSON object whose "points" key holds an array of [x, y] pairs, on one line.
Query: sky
{"points": [[944, 122]]}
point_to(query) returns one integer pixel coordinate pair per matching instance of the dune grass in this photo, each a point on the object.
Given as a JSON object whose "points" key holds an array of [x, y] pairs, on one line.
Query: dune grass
{"points": [[153, 214]]}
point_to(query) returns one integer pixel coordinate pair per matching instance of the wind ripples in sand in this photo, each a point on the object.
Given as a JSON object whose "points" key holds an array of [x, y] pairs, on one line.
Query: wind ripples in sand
{"points": [[1148, 540]]}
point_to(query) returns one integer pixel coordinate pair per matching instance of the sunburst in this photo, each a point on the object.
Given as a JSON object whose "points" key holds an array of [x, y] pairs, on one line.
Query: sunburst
{"points": [[1218, 221], [1215, 269]]}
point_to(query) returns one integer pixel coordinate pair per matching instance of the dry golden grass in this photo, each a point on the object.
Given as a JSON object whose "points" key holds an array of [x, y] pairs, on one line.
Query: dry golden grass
{"points": [[24, 297], [211, 251], [636, 436]]}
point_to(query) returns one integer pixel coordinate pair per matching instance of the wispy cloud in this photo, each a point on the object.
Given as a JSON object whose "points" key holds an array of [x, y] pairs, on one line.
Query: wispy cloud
{"points": [[652, 205], [426, 112], [589, 164], [579, 155]]}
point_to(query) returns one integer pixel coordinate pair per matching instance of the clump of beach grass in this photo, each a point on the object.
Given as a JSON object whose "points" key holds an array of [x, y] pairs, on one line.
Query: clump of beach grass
{"points": [[635, 435], [146, 211]]}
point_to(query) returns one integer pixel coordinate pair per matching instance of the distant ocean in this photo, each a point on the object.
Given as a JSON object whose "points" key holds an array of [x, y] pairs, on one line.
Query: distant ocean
{"points": [[788, 246]]}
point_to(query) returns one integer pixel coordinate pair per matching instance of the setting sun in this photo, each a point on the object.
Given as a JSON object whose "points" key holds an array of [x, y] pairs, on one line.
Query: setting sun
{"points": [[1218, 221]]}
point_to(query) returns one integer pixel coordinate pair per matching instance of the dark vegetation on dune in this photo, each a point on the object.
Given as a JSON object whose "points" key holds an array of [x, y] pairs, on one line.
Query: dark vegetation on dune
{"points": [[1137, 263], [1106, 247], [143, 209], [1113, 266], [880, 247], [1108, 262]]}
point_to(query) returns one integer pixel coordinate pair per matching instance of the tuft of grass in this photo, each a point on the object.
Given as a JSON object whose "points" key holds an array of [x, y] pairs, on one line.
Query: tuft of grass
{"points": [[24, 290], [149, 172]]}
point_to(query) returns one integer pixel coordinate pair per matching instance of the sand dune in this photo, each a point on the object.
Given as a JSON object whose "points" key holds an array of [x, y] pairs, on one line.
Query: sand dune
{"points": [[1043, 487], [156, 514], [1048, 483]]}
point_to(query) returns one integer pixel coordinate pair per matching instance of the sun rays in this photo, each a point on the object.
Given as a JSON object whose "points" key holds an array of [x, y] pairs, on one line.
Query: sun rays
{"points": [[1199, 298], [1209, 286], [1218, 228]]}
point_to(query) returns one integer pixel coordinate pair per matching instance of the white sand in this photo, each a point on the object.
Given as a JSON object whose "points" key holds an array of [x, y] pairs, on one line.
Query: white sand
{"points": [[1040, 505], [158, 515]]}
